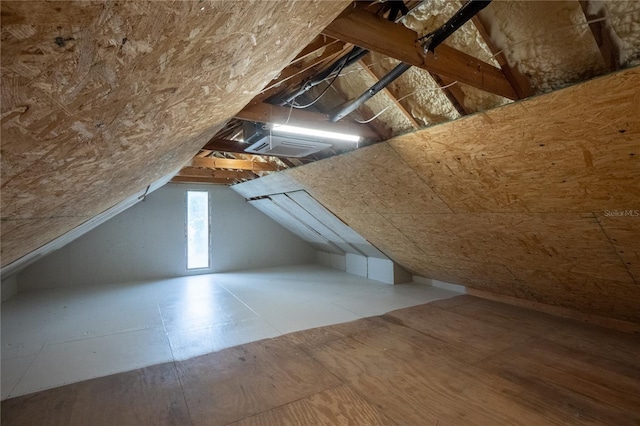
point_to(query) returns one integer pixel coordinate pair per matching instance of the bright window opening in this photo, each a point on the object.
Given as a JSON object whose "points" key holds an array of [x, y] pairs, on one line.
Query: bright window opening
{"points": [[197, 229]]}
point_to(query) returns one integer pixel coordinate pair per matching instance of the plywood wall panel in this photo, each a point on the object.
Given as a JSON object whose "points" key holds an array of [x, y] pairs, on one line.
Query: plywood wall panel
{"points": [[483, 276], [513, 201], [567, 242], [380, 233], [582, 292], [622, 228], [100, 99], [375, 178], [572, 150]]}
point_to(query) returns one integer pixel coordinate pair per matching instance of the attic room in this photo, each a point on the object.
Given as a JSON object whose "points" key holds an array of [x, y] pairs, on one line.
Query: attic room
{"points": [[413, 212]]}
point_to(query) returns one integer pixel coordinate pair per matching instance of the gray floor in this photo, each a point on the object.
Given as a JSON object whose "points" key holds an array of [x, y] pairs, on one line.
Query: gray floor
{"points": [[61, 336]]}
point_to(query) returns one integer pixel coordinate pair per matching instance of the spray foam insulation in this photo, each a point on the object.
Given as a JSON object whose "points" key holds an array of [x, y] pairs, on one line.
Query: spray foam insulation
{"points": [[422, 96], [624, 20], [516, 201], [101, 99], [549, 41], [430, 16]]}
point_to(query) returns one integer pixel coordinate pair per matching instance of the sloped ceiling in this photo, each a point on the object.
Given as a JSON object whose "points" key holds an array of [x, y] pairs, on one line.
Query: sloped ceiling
{"points": [[100, 99], [511, 50], [538, 199]]}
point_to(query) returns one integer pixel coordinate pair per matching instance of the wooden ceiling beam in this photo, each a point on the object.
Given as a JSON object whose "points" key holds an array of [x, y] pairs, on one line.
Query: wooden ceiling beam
{"points": [[391, 96], [267, 113], [601, 33], [226, 163], [190, 171], [210, 180], [369, 31], [454, 93], [520, 82]]}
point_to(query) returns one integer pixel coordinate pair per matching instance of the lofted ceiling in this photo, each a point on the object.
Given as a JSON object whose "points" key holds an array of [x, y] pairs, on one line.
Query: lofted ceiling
{"points": [[537, 200], [102, 99], [511, 50]]}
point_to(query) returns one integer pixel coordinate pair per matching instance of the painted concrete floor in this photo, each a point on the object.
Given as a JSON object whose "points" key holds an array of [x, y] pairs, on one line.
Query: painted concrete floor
{"points": [[60, 336]]}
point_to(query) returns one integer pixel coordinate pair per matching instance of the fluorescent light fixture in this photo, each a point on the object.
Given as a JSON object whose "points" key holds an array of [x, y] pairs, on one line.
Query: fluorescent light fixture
{"points": [[314, 132]]}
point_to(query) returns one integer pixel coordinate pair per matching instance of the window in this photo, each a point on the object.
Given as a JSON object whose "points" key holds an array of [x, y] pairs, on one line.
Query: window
{"points": [[197, 229]]}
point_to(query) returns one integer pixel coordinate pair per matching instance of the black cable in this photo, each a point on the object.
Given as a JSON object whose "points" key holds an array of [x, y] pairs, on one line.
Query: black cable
{"points": [[325, 89]]}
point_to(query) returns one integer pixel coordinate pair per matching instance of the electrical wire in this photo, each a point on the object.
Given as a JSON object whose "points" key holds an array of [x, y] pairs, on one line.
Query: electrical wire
{"points": [[289, 116], [404, 97], [588, 22], [509, 47], [325, 89]]}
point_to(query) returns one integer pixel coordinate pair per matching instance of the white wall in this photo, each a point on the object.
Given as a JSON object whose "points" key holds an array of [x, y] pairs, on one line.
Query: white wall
{"points": [[148, 241], [9, 286]]}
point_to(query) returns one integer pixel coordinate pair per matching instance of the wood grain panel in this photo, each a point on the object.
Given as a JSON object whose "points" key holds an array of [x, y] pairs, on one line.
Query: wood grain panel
{"points": [[462, 360], [470, 341], [33, 231], [101, 99], [514, 201], [372, 32], [508, 316], [622, 228], [619, 347], [557, 370], [399, 369], [582, 292], [249, 379], [374, 179], [574, 150], [486, 276], [151, 395], [308, 339], [572, 243], [380, 232], [337, 406]]}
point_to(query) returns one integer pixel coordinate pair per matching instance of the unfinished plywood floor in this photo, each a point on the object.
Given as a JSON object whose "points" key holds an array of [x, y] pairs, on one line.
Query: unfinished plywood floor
{"points": [[461, 360], [60, 336]]}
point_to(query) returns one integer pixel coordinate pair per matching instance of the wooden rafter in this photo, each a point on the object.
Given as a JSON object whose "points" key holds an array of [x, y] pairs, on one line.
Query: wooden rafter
{"points": [[367, 30], [226, 163], [210, 180], [520, 82], [190, 171], [601, 33], [454, 93], [266, 113], [391, 96]]}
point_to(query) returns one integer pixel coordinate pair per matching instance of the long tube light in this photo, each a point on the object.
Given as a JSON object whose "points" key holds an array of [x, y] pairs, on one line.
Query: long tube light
{"points": [[284, 128]]}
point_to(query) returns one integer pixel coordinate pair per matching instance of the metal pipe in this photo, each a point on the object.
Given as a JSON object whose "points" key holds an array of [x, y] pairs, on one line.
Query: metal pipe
{"points": [[433, 39], [465, 13], [349, 107], [352, 57]]}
